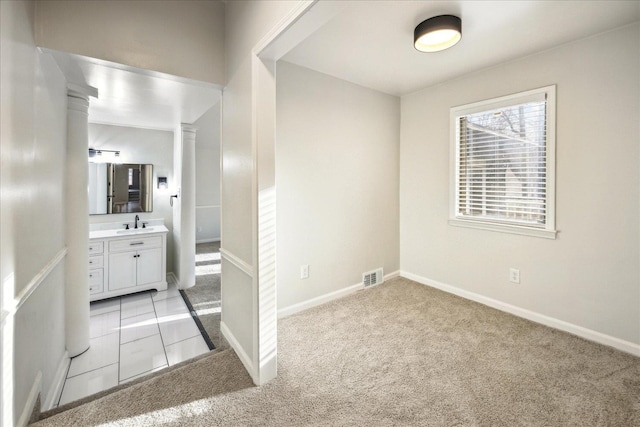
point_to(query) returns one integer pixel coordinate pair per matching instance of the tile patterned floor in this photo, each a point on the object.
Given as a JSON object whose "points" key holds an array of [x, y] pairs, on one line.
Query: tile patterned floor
{"points": [[132, 336]]}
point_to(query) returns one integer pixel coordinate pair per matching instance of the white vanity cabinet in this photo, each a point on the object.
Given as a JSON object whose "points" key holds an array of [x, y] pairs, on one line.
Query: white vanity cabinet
{"points": [[96, 267], [124, 264]]}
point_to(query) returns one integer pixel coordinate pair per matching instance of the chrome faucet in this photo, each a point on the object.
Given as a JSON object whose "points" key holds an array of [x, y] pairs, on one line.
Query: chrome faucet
{"points": [[136, 223]]}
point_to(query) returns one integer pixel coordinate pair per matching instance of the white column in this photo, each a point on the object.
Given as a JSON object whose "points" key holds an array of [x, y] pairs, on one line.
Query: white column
{"points": [[77, 225], [188, 209]]}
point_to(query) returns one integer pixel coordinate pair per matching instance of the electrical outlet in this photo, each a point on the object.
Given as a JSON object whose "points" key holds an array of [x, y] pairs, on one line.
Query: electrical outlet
{"points": [[304, 271], [514, 275]]}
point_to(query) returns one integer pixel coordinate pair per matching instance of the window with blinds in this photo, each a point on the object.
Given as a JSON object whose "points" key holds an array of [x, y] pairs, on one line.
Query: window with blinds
{"points": [[504, 166]]}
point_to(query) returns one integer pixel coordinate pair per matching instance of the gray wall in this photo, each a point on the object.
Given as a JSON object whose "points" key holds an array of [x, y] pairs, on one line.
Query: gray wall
{"points": [[32, 147], [337, 160], [141, 146], [156, 35], [589, 275], [208, 175]]}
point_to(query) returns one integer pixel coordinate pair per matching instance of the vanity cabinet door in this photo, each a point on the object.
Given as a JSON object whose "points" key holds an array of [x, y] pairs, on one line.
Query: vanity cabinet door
{"points": [[122, 270], [149, 266]]}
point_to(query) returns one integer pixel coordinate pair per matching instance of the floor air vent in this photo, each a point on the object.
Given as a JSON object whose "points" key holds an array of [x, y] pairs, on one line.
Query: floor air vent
{"points": [[371, 278]]}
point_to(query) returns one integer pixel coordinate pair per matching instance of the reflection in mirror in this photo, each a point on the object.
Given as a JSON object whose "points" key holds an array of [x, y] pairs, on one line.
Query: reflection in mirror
{"points": [[120, 188]]}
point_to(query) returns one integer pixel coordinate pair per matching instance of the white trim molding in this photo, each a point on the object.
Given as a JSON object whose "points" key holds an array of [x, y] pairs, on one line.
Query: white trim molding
{"points": [[214, 239], [580, 331], [280, 28], [323, 299], [4, 316], [236, 261], [30, 404], [36, 281], [392, 275], [242, 355], [506, 228], [207, 206], [58, 382], [319, 300]]}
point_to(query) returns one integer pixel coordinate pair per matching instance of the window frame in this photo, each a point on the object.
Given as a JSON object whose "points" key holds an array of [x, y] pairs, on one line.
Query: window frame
{"points": [[548, 231]]}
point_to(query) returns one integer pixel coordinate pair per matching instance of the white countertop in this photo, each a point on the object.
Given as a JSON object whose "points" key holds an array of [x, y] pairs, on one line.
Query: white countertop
{"points": [[121, 232]]}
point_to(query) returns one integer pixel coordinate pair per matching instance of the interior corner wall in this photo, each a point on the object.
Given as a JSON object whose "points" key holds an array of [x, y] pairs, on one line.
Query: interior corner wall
{"points": [[208, 175], [146, 146], [32, 152], [139, 33], [337, 180], [589, 276]]}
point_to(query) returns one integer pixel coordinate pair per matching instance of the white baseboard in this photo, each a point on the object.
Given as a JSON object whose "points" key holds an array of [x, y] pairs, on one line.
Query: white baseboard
{"points": [[58, 382], [588, 334], [322, 299], [242, 355], [392, 275], [215, 239], [30, 404]]}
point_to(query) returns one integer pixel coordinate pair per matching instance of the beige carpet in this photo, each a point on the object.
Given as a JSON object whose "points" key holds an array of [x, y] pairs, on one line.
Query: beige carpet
{"points": [[399, 354]]}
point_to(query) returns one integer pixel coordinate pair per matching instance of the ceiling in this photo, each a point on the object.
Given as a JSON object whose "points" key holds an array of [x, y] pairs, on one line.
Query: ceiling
{"points": [[370, 43], [132, 97]]}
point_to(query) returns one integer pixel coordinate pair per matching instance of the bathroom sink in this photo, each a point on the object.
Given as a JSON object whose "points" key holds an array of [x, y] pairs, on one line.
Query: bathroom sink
{"points": [[136, 230], [113, 232]]}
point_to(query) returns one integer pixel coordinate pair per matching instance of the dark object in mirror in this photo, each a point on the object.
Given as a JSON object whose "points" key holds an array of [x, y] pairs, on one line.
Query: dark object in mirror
{"points": [[120, 188]]}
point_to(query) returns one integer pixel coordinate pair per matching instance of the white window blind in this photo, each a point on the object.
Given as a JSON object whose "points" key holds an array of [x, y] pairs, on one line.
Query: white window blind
{"points": [[503, 161]]}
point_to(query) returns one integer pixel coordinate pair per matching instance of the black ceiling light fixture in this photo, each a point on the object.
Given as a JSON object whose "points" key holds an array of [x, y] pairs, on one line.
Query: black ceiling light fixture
{"points": [[437, 33]]}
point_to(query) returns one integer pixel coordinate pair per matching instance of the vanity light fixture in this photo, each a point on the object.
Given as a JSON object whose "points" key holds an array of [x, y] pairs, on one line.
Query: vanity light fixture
{"points": [[437, 33], [93, 152], [163, 184]]}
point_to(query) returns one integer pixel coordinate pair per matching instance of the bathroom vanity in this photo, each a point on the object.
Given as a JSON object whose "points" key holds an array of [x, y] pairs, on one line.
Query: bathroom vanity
{"points": [[127, 261]]}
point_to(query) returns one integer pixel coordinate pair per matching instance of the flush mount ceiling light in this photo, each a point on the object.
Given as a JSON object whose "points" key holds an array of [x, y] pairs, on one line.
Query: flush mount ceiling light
{"points": [[437, 33]]}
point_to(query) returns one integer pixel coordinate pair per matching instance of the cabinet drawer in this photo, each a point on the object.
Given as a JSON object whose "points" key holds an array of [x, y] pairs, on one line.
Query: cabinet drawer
{"points": [[135, 244], [96, 247], [96, 281], [96, 261]]}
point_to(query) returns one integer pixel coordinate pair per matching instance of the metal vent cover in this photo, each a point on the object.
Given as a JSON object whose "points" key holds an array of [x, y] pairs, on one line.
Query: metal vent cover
{"points": [[371, 278]]}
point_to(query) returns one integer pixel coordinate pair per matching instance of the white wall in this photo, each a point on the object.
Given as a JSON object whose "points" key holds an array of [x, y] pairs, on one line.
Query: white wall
{"points": [[141, 146], [337, 168], [32, 153], [246, 23], [183, 38], [208, 175], [589, 276]]}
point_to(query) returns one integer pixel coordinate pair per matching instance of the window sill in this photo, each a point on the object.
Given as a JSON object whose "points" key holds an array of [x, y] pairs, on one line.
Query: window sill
{"points": [[504, 228]]}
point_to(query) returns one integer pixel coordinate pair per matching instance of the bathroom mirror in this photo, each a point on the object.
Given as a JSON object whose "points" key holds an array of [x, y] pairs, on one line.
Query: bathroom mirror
{"points": [[120, 188]]}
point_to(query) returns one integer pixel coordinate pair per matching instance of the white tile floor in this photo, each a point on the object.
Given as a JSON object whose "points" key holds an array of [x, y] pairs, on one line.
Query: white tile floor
{"points": [[132, 336]]}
